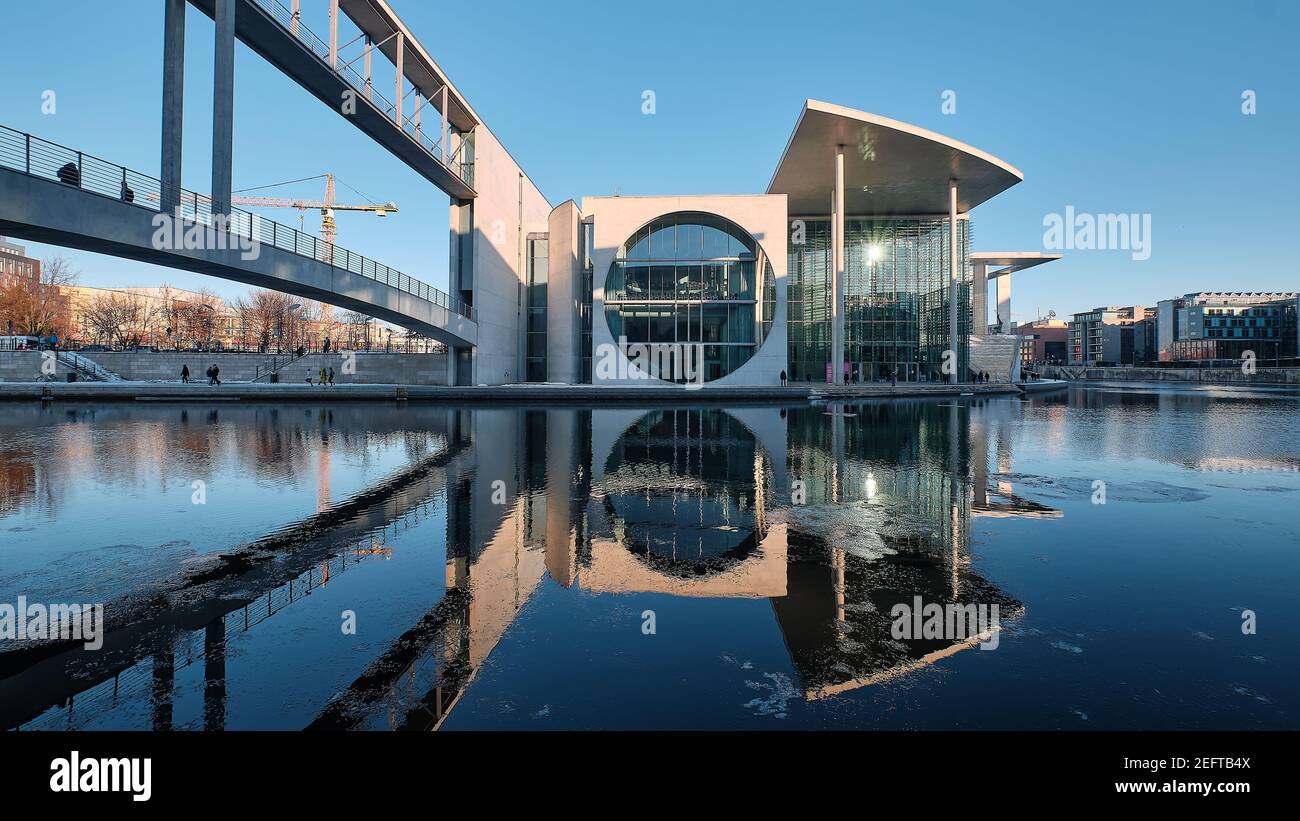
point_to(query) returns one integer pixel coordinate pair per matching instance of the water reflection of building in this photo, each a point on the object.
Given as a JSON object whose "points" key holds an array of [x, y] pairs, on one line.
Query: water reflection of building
{"points": [[684, 502], [692, 502]]}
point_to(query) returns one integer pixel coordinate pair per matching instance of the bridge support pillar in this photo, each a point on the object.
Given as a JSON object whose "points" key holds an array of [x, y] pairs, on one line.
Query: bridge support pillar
{"points": [[453, 358], [173, 103], [223, 106]]}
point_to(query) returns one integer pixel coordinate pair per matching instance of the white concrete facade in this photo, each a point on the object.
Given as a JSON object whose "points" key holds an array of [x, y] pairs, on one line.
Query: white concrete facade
{"points": [[762, 216], [508, 207]]}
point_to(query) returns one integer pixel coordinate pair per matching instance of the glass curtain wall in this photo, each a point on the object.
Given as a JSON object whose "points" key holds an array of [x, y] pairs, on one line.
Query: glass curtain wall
{"points": [[538, 273], [691, 278], [895, 299], [584, 301]]}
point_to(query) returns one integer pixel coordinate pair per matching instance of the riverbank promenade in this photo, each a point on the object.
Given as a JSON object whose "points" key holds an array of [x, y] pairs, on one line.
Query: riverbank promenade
{"points": [[526, 393]]}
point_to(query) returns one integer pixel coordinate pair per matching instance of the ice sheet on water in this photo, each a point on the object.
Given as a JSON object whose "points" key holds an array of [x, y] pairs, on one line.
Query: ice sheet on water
{"points": [[860, 529], [1147, 491]]}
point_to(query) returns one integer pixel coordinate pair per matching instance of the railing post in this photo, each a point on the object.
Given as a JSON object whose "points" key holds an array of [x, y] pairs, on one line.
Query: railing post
{"points": [[81, 182], [29, 153]]}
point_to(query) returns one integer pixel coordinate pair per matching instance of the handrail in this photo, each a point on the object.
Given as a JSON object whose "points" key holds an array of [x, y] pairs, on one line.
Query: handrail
{"points": [[276, 365], [27, 154], [85, 365], [321, 51]]}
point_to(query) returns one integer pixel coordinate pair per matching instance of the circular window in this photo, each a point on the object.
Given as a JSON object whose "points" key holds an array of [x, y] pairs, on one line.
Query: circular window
{"points": [[687, 287]]}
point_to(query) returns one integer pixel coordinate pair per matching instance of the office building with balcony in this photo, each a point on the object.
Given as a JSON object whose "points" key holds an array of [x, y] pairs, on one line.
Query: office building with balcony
{"points": [[1104, 336], [1208, 325]]}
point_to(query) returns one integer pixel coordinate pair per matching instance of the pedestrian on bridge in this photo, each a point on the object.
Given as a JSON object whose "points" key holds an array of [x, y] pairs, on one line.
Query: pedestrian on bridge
{"points": [[331, 376], [185, 374], [321, 379]]}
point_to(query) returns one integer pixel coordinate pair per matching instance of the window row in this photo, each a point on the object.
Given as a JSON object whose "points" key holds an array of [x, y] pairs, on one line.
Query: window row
{"points": [[711, 280], [681, 323], [698, 240]]}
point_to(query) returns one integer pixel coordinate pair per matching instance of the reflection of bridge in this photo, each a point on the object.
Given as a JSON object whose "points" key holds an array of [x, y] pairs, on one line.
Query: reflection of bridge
{"points": [[235, 592]]}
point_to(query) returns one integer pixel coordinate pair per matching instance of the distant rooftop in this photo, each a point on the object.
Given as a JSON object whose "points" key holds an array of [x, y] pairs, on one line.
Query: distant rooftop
{"points": [[9, 247], [1257, 295]]}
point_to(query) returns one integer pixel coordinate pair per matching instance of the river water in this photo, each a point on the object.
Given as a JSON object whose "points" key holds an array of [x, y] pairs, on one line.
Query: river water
{"points": [[419, 566]]}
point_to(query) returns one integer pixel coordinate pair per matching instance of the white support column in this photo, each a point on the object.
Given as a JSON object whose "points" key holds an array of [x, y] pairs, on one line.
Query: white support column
{"points": [[837, 273], [223, 105], [953, 279], [295, 14], [334, 34], [366, 67], [1004, 303], [397, 110], [445, 158], [415, 116]]}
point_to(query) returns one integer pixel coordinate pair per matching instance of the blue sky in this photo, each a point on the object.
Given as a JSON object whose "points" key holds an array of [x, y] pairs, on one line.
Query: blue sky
{"points": [[1106, 107]]}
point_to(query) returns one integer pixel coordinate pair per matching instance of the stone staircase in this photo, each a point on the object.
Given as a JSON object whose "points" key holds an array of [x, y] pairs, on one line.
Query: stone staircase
{"points": [[997, 354], [87, 368]]}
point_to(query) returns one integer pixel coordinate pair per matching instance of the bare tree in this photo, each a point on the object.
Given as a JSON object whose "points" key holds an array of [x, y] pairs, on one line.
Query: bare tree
{"points": [[265, 315], [195, 318], [119, 319]]}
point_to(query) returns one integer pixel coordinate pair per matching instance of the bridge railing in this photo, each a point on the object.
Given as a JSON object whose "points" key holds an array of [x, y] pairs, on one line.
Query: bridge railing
{"points": [[321, 49], [31, 155]]}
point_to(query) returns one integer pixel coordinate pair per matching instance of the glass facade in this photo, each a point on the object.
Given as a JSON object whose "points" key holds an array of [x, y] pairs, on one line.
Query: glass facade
{"points": [[692, 278], [896, 284], [535, 342], [586, 266]]}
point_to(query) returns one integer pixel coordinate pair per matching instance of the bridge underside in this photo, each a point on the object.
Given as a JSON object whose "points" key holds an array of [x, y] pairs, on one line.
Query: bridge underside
{"points": [[51, 212], [263, 34]]}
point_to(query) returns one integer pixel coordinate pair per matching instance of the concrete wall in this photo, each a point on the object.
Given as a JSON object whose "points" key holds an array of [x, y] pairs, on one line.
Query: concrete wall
{"points": [[25, 366], [562, 295], [764, 216], [371, 368], [507, 209]]}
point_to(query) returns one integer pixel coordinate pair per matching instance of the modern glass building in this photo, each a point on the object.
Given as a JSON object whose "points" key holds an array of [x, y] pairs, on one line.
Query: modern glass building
{"points": [[692, 279], [854, 266], [896, 294]]}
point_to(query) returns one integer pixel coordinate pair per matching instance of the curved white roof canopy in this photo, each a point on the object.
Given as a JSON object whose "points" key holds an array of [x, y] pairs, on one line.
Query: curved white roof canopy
{"points": [[891, 168], [1001, 263]]}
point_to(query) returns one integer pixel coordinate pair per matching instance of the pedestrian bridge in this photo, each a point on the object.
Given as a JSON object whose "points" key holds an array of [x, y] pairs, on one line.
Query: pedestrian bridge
{"points": [[53, 194]]}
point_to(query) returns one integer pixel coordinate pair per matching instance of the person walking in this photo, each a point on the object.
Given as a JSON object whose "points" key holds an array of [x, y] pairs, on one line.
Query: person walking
{"points": [[331, 376], [185, 374], [783, 379], [893, 377], [309, 376], [322, 377], [216, 375]]}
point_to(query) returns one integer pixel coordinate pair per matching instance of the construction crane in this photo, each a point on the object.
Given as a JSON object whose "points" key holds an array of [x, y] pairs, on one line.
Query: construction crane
{"points": [[327, 207]]}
